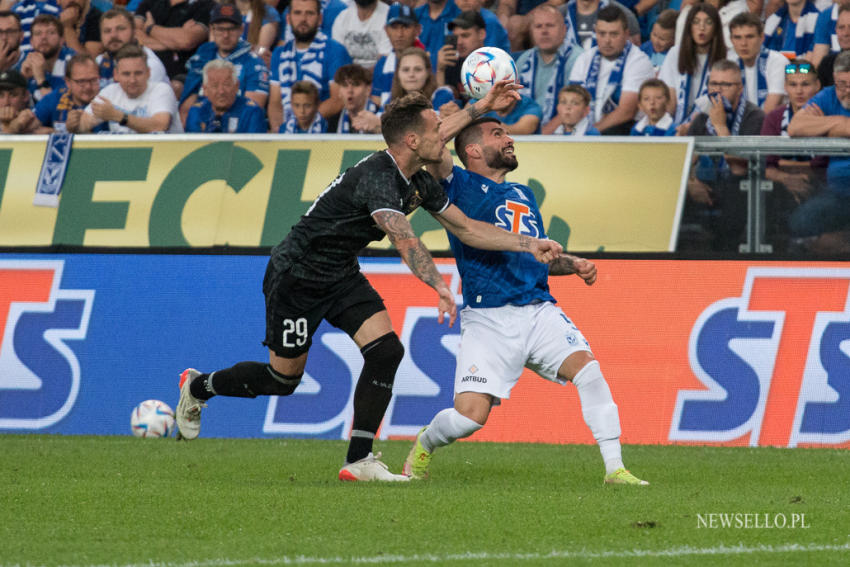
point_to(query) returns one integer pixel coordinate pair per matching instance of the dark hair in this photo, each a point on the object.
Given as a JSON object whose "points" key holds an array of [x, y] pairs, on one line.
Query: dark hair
{"points": [[131, 51], [578, 90], [471, 134], [10, 14], [430, 82], [667, 19], [654, 84], [50, 20], [318, 5], [78, 59], [353, 73], [613, 14], [747, 19], [403, 115], [687, 45], [118, 13], [306, 87]]}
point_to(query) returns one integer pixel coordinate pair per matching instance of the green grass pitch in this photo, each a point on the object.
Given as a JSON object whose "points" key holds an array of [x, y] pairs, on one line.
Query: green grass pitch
{"points": [[92, 501]]}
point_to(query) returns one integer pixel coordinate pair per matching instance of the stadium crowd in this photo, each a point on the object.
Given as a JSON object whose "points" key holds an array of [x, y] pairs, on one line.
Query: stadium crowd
{"points": [[589, 67]]}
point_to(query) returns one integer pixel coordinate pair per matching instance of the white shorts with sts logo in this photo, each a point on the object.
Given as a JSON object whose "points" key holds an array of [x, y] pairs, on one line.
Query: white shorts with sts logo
{"points": [[497, 343]]}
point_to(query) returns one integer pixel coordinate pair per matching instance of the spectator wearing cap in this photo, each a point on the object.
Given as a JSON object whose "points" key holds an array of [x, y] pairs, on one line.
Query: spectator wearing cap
{"points": [[435, 17], [27, 10], [403, 30], [469, 31], [173, 29], [44, 65], [117, 29], [497, 35], [11, 54], [15, 114], [56, 110], [223, 109], [310, 55], [360, 29], [226, 27]]}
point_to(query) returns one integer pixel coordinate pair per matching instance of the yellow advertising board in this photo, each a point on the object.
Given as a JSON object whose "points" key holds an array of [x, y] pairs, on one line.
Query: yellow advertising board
{"points": [[199, 191]]}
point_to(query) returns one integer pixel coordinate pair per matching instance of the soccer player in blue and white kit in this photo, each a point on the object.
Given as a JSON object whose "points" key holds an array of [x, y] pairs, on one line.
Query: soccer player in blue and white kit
{"points": [[510, 321]]}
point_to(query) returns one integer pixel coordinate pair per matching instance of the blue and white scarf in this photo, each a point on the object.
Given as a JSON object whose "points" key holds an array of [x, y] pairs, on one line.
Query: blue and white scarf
{"points": [[787, 114], [833, 37], [580, 129], [734, 118], [571, 21], [344, 125], [804, 32], [57, 154], [761, 75], [318, 126], [644, 128], [612, 89], [310, 68], [528, 78], [683, 92]]}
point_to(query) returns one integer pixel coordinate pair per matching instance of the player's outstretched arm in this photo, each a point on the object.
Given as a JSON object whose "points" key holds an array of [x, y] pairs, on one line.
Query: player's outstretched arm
{"points": [[498, 98], [489, 237], [418, 259], [567, 264]]}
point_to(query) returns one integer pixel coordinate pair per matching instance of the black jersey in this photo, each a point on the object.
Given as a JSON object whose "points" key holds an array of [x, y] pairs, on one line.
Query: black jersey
{"points": [[324, 244]]}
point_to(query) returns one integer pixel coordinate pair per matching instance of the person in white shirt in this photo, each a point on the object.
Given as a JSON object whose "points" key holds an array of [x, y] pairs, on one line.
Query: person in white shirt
{"points": [[360, 28], [133, 104], [762, 69], [117, 29], [612, 72]]}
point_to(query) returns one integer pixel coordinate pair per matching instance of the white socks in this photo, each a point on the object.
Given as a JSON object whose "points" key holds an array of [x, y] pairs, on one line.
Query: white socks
{"points": [[600, 414], [447, 427]]}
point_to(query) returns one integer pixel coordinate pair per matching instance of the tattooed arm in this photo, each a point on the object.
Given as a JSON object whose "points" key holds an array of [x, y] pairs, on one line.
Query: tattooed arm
{"points": [[566, 264], [489, 237], [498, 98], [418, 259]]}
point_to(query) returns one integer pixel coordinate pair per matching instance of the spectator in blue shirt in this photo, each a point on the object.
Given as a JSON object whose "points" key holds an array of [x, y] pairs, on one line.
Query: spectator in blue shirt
{"points": [[223, 109], [55, 110], [825, 218], [435, 17], [44, 65], [329, 10], [825, 41], [653, 100], [310, 55], [661, 38], [27, 10], [226, 26], [497, 35]]}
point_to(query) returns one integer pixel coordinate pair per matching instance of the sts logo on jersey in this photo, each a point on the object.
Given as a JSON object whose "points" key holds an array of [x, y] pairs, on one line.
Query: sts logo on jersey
{"points": [[517, 217], [775, 362], [39, 382]]}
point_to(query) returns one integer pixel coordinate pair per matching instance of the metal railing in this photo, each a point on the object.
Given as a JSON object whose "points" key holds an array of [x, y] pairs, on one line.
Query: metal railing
{"points": [[755, 150]]}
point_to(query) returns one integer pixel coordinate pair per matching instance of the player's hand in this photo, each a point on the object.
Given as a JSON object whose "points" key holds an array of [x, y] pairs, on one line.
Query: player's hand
{"points": [[546, 251], [585, 269], [447, 306], [501, 96]]}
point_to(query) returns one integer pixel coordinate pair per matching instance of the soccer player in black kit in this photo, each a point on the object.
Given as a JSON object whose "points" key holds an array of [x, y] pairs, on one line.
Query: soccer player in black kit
{"points": [[313, 274]]}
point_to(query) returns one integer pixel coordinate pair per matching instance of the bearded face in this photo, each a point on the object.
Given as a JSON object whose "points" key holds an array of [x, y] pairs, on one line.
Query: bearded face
{"points": [[502, 158]]}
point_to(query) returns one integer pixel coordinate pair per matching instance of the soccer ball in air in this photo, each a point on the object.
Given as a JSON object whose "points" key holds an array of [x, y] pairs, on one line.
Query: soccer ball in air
{"points": [[152, 418], [483, 68]]}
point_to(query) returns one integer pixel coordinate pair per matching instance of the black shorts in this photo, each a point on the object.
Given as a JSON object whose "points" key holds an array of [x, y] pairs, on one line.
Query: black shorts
{"points": [[296, 307]]}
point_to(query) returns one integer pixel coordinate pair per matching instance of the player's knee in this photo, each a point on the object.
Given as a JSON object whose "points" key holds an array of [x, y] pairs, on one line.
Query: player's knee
{"points": [[385, 352], [282, 384]]}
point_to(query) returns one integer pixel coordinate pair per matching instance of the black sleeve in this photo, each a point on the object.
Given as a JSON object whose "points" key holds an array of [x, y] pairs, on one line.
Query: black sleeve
{"points": [[92, 25], [144, 7], [434, 197], [202, 12], [380, 191], [697, 127], [752, 122]]}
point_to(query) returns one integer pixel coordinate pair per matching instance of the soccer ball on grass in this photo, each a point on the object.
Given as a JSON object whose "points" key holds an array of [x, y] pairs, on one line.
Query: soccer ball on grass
{"points": [[483, 68], [152, 418]]}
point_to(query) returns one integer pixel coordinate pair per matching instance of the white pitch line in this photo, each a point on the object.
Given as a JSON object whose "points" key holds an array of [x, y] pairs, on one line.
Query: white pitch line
{"points": [[683, 551]]}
